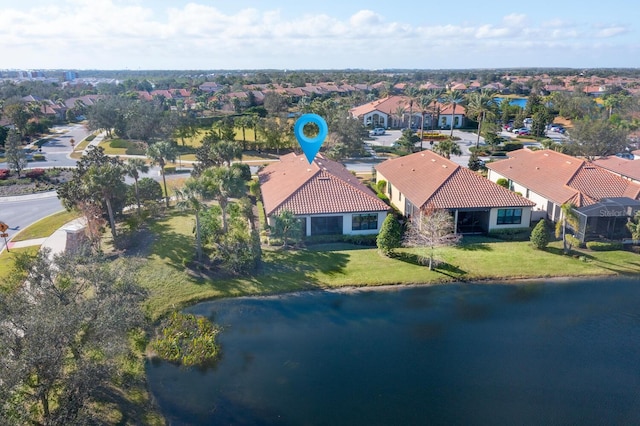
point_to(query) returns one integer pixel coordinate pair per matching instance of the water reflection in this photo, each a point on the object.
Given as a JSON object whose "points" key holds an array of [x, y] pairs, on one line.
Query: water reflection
{"points": [[541, 352]]}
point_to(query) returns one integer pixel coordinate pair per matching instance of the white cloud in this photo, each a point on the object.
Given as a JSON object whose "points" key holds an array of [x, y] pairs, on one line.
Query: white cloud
{"points": [[119, 34], [610, 32]]}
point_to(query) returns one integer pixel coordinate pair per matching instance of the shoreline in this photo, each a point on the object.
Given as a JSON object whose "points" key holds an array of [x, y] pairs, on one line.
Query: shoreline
{"points": [[351, 289]]}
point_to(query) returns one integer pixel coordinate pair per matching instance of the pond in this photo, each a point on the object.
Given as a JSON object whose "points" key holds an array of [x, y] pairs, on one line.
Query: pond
{"points": [[537, 352], [521, 102]]}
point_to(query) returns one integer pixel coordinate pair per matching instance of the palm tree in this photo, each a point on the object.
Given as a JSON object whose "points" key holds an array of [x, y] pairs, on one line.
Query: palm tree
{"points": [[190, 198], [482, 106], [447, 148], [412, 94], [223, 183], [132, 168], [103, 179], [399, 114], [424, 102], [454, 98], [160, 153], [568, 217]]}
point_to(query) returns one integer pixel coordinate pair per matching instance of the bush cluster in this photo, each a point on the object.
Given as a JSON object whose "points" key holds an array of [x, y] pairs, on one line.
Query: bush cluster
{"points": [[4, 174], [187, 339], [604, 245], [35, 173]]}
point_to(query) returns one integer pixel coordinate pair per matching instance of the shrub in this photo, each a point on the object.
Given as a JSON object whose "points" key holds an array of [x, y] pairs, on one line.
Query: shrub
{"points": [[512, 146], [381, 186], [4, 174], [90, 138], [360, 240], [511, 234], [540, 235], [384, 198], [604, 245], [503, 182], [169, 170], [390, 236], [187, 339], [35, 173], [254, 188]]}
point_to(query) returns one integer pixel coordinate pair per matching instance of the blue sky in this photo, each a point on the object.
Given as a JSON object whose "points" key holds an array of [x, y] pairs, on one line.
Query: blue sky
{"points": [[326, 34]]}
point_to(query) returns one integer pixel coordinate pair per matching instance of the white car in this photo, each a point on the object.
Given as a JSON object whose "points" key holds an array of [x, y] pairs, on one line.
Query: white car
{"points": [[378, 131]]}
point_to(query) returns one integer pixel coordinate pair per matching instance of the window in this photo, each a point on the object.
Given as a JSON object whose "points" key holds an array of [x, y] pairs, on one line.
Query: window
{"points": [[509, 216], [361, 222], [326, 225]]}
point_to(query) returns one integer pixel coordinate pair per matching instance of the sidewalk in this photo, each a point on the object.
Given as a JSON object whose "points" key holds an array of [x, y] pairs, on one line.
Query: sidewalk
{"points": [[56, 242]]}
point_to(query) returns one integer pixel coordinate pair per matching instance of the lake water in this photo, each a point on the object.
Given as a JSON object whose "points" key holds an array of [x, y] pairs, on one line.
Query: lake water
{"points": [[521, 102], [540, 352]]}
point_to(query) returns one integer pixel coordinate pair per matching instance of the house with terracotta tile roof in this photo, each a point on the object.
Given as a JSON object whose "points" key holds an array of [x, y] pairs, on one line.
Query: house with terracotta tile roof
{"points": [[383, 113], [425, 179], [324, 195], [603, 199], [628, 169]]}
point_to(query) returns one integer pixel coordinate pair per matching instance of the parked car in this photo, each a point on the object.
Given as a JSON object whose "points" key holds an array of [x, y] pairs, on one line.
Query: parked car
{"points": [[522, 131], [625, 155], [378, 131]]}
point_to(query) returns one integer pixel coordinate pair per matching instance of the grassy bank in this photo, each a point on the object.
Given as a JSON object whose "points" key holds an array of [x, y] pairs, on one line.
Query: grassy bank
{"points": [[46, 226], [171, 286]]}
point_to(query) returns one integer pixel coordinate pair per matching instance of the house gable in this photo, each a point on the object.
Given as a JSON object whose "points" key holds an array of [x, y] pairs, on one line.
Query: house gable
{"points": [[323, 186]]}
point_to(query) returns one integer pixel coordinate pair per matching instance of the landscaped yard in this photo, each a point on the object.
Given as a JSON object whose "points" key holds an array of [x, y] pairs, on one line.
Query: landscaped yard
{"points": [[171, 286]]}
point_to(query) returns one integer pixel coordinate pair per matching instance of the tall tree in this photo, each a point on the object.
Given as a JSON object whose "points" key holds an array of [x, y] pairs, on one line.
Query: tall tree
{"points": [[453, 98], [63, 336], [593, 138], [190, 197], [133, 167], [223, 183], [569, 218], [97, 184], [429, 229], [15, 156], [160, 153], [105, 180], [17, 114], [481, 105], [447, 148]]}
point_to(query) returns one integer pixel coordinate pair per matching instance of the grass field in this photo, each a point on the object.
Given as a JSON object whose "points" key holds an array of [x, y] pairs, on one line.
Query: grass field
{"points": [[331, 266], [7, 261], [45, 227]]}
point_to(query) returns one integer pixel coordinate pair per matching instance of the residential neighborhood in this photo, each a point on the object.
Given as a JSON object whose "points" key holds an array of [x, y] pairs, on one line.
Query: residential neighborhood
{"points": [[148, 194]]}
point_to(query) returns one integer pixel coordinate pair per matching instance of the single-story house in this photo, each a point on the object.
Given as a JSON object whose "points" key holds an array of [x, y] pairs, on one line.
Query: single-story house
{"points": [[628, 169], [324, 195], [551, 179], [425, 179]]}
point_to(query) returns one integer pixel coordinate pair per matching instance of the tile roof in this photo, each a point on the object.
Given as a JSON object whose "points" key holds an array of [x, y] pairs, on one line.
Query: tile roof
{"points": [[324, 186], [426, 178], [390, 104], [621, 166], [562, 178]]}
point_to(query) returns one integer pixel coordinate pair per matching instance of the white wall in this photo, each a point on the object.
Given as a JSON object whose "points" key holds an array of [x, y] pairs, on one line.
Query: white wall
{"points": [[396, 198], [493, 219], [541, 202]]}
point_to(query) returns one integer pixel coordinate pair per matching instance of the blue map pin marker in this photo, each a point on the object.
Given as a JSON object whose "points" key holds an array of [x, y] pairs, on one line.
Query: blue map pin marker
{"points": [[310, 146]]}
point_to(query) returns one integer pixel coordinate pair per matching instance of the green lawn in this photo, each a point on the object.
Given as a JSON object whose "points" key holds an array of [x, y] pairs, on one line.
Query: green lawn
{"points": [[7, 259], [171, 287], [46, 226]]}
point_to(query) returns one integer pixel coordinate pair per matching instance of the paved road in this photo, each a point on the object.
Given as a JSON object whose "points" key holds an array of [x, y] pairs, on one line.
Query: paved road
{"points": [[20, 214]]}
